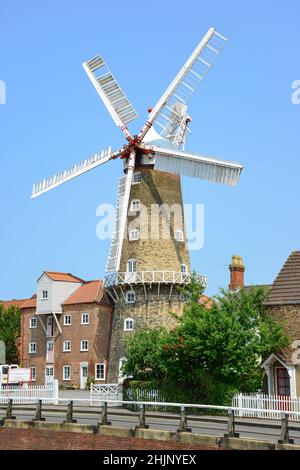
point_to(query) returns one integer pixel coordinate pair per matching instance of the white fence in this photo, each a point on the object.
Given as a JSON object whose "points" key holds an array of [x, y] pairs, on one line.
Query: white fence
{"points": [[266, 406], [105, 392], [20, 394]]}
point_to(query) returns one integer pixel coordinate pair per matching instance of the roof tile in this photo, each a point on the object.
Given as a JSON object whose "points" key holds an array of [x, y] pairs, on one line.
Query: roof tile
{"points": [[286, 287]]}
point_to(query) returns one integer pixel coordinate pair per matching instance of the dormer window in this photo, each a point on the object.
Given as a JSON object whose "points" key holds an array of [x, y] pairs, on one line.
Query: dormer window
{"points": [[44, 294]]}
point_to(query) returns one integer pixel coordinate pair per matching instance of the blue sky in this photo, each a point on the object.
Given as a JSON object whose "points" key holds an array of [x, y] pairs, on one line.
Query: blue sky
{"points": [[53, 118]]}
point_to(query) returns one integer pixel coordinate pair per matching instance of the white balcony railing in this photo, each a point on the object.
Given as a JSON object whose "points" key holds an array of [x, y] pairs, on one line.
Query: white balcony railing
{"points": [[147, 277]]}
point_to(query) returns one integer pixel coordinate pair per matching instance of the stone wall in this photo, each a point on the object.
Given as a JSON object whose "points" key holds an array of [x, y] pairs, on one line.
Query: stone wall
{"points": [[146, 313]]}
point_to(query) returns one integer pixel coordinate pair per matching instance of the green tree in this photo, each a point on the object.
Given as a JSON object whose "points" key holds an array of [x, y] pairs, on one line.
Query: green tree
{"points": [[213, 352], [10, 330]]}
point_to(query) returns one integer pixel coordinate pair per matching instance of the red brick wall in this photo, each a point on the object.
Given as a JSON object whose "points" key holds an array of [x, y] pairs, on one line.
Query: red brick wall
{"points": [[97, 332], [27, 439]]}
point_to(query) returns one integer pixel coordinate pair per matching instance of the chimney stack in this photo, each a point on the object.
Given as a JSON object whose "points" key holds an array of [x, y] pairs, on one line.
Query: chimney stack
{"points": [[236, 269]]}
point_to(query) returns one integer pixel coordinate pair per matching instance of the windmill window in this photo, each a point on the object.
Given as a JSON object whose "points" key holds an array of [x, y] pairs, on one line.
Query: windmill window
{"points": [[128, 324], [179, 235], [183, 268], [131, 266], [130, 297], [135, 205], [133, 234], [137, 177]]}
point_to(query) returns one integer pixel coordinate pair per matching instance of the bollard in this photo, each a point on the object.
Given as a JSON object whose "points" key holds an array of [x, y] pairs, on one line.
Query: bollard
{"points": [[142, 418], [103, 419], [231, 425], [69, 419], [38, 412], [8, 414], [183, 421], [284, 434]]}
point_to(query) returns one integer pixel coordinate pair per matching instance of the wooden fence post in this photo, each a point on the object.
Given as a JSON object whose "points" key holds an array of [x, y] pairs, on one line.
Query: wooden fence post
{"points": [[69, 418], [284, 434], [142, 418], [103, 419], [231, 425], [183, 421], [8, 413], [38, 412]]}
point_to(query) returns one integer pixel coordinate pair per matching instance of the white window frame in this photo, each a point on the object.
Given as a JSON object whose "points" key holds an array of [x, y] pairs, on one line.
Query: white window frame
{"points": [[44, 295], [133, 234], [69, 316], [104, 370], [133, 203], [126, 321], [128, 298], [31, 326], [30, 347], [137, 177], [183, 268], [81, 345], [131, 263], [179, 236], [67, 379], [33, 374], [88, 319], [64, 346]]}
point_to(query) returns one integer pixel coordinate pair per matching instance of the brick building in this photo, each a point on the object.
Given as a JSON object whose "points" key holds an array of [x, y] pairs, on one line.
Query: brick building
{"points": [[283, 301], [65, 330]]}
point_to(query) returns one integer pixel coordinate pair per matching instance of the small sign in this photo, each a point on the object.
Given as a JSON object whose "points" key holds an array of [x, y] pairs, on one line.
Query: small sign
{"points": [[2, 352], [19, 375]]}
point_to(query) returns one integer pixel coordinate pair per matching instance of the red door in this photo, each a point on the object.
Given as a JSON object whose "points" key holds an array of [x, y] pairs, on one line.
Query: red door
{"points": [[283, 388]]}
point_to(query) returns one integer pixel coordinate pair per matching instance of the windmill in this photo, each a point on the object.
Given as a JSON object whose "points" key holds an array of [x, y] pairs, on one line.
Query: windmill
{"points": [[142, 274]]}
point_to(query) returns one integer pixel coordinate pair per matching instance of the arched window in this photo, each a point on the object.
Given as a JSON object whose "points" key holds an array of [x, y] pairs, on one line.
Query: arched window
{"points": [[130, 297], [133, 234], [131, 265], [128, 324]]}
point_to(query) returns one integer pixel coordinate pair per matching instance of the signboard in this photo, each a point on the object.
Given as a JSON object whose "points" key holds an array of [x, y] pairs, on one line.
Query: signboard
{"points": [[18, 375]]}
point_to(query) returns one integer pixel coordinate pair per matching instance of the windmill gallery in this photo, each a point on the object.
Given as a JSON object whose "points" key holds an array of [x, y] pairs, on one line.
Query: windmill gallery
{"points": [[143, 272]]}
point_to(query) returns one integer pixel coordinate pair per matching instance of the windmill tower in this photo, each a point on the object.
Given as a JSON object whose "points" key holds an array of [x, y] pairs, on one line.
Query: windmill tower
{"points": [[148, 258]]}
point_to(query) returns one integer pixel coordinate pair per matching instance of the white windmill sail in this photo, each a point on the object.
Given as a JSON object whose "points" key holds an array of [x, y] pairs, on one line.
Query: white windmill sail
{"points": [[197, 166], [114, 258], [115, 100], [82, 167], [186, 81], [112, 261]]}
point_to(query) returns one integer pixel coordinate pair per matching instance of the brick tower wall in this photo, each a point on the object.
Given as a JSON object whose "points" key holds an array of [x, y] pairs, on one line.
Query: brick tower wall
{"points": [[152, 254]]}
